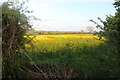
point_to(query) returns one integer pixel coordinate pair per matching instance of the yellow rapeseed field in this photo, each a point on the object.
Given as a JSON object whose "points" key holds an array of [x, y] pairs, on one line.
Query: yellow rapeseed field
{"points": [[65, 36], [51, 43]]}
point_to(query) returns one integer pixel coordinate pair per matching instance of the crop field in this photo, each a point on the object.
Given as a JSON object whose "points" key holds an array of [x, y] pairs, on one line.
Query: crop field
{"points": [[82, 52], [54, 43], [61, 46]]}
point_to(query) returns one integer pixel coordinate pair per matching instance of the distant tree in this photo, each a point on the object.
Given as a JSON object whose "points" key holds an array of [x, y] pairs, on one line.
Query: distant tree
{"points": [[82, 31], [90, 29]]}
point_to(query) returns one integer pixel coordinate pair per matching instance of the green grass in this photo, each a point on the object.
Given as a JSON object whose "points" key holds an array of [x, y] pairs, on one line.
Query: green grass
{"points": [[82, 52]]}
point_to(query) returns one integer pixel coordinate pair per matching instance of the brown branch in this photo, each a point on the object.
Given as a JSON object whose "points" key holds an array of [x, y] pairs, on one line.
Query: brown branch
{"points": [[33, 74]]}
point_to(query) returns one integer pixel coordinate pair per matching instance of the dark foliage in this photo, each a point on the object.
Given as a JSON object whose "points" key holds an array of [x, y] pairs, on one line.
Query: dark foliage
{"points": [[14, 26]]}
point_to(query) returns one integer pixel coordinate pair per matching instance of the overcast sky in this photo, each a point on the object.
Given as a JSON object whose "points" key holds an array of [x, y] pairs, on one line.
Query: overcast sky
{"points": [[69, 15]]}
